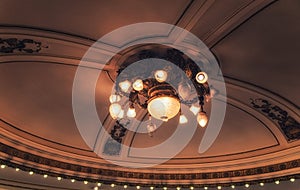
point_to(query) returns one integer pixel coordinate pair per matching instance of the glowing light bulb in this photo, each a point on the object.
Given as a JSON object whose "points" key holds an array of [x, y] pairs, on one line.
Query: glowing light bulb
{"points": [[96, 188], [31, 173], [72, 180], [114, 98], [138, 187], [125, 85], [125, 186], [131, 112], [202, 119], [85, 182], [58, 178], [247, 185], [45, 176], [151, 187], [191, 188], [112, 185], [219, 187], [161, 75], [114, 110], [177, 188], [98, 184], [201, 77], [183, 119], [232, 186], [205, 188], [3, 166], [165, 188], [292, 180], [277, 182], [138, 85], [261, 184], [194, 109], [17, 169]]}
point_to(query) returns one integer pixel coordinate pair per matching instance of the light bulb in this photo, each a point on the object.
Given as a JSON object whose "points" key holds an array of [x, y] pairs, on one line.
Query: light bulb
{"points": [[261, 184], [125, 186], [45, 175], [138, 85], [72, 180], [114, 98], [114, 110], [247, 185], [277, 182], [112, 185], [151, 187], [58, 178], [183, 119], [85, 182], [98, 184], [202, 119], [161, 75], [138, 187], [201, 77], [219, 187], [232, 186], [194, 109], [131, 112], [292, 179], [125, 85], [151, 128]]}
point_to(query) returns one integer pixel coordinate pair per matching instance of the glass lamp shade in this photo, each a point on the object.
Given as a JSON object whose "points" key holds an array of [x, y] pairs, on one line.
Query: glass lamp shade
{"points": [[125, 85], [114, 98], [131, 112], [183, 119], [161, 75], [163, 107], [201, 77], [202, 119], [138, 85], [114, 110]]}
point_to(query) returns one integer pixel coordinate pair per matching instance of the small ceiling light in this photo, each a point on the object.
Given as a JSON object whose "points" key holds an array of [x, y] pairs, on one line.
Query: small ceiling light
{"points": [[261, 184], [232, 186], [194, 109], [161, 75], [45, 176], [72, 180], [151, 187], [138, 85], [58, 178], [96, 188], [131, 112], [177, 188], [277, 182], [163, 107], [247, 185], [138, 187], [3, 166], [183, 119], [165, 188], [114, 98], [17, 169], [201, 77], [31, 173], [202, 119], [112, 185], [114, 110], [85, 182], [219, 187], [125, 186], [191, 188], [98, 184], [205, 188], [125, 85], [292, 179]]}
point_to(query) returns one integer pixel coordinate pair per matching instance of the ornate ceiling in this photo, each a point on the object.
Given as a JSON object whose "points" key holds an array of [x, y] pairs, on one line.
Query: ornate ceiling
{"points": [[42, 43]]}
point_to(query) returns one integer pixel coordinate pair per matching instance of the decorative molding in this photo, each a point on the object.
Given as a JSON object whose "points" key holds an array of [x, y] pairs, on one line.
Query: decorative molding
{"points": [[13, 45], [289, 126], [185, 178], [112, 146]]}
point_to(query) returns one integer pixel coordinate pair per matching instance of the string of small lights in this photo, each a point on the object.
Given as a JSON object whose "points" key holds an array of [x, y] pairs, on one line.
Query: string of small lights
{"points": [[97, 183]]}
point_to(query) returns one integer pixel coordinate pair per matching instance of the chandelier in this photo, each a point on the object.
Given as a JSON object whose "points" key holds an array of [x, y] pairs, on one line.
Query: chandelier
{"points": [[156, 95]]}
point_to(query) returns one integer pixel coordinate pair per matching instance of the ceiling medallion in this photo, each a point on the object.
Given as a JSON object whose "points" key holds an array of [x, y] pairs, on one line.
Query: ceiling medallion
{"points": [[155, 94]]}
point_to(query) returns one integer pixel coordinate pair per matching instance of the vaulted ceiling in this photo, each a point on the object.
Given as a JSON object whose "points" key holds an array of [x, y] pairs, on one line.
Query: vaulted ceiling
{"points": [[42, 43]]}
